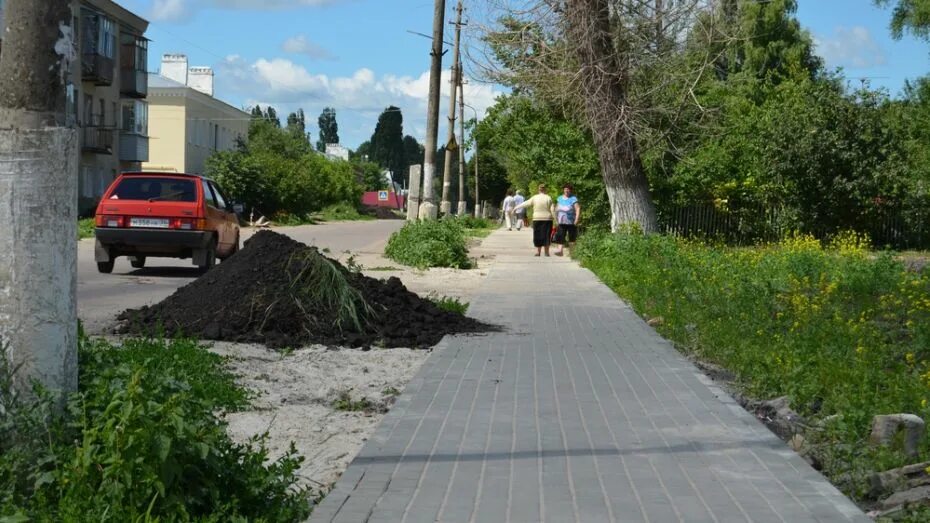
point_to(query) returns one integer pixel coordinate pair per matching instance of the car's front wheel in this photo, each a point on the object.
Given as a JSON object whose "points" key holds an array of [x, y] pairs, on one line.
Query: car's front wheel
{"points": [[137, 262], [105, 267]]}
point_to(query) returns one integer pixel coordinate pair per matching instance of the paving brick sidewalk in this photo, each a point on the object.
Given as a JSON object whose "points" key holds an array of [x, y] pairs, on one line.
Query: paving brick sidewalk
{"points": [[578, 412]]}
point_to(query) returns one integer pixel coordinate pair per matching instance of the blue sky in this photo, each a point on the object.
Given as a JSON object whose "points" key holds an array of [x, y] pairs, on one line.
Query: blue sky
{"points": [[358, 56]]}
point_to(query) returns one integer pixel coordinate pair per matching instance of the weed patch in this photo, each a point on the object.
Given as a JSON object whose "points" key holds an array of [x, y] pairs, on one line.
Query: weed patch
{"points": [[430, 243], [342, 211], [450, 304], [85, 228], [142, 439], [839, 330], [345, 403]]}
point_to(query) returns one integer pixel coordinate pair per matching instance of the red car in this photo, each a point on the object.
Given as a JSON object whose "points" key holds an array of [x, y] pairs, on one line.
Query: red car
{"points": [[165, 215]]}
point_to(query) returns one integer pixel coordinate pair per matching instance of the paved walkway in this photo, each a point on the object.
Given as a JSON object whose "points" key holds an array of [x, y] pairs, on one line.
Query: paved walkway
{"points": [[578, 412]]}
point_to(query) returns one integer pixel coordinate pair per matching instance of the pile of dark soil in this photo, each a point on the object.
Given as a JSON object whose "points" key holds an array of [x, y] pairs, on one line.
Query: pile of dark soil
{"points": [[271, 292]]}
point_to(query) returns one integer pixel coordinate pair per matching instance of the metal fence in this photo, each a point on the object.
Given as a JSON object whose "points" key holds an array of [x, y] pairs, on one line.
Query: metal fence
{"points": [[745, 226]]}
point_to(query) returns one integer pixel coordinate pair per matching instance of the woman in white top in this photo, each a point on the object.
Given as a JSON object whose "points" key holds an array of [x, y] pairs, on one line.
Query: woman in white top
{"points": [[543, 213], [508, 209]]}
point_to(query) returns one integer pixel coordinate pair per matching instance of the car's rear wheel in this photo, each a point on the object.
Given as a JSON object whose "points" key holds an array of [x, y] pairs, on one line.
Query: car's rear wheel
{"points": [[210, 258], [105, 267], [137, 262]]}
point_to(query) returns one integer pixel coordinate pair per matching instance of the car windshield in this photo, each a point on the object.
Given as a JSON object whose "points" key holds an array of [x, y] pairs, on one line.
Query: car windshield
{"points": [[155, 189]]}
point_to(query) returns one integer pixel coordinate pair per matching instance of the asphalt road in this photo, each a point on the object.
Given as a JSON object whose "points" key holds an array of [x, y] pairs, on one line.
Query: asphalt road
{"points": [[102, 296]]}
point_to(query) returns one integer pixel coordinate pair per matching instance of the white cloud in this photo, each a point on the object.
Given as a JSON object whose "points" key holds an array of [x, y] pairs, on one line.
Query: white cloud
{"points": [[169, 10], [358, 99], [177, 10], [301, 45], [851, 47]]}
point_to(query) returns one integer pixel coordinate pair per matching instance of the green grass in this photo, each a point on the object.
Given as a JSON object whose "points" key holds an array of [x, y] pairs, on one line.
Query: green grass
{"points": [[317, 281], [142, 439], [839, 330], [430, 243], [85, 228], [383, 268], [342, 212], [345, 403], [449, 304]]}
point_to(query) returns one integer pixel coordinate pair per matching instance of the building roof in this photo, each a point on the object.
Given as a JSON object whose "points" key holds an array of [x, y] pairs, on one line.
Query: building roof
{"points": [[157, 81], [160, 82]]}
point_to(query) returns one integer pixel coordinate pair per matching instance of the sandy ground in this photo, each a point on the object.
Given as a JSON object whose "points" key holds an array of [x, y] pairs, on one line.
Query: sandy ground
{"points": [[296, 396], [297, 390]]}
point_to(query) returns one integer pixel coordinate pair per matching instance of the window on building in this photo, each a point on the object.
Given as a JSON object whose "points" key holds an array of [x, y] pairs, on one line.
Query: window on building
{"points": [[99, 34], [103, 113], [134, 52], [88, 110], [135, 117]]}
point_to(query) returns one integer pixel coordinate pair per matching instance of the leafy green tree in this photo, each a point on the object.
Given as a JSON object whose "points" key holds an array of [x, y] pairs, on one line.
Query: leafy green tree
{"points": [[362, 152], [413, 152], [296, 122], [909, 15], [387, 142], [370, 175], [329, 129], [536, 145]]}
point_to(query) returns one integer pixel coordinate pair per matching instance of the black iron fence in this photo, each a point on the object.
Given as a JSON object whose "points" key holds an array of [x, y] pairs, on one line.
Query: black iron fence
{"points": [[746, 226]]}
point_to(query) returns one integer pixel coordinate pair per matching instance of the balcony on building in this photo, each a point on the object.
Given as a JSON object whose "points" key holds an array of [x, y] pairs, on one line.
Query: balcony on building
{"points": [[133, 136], [98, 38], [134, 80], [97, 136]]}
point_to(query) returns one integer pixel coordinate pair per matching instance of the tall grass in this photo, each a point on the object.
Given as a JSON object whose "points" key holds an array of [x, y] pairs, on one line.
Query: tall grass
{"points": [[430, 243], [838, 329], [316, 281]]}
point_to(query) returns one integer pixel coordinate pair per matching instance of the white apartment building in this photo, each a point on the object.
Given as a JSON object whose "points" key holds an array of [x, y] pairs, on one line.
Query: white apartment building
{"points": [[186, 122]]}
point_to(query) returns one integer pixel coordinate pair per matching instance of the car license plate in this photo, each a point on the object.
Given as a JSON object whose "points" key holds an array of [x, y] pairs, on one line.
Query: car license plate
{"points": [[156, 223]]}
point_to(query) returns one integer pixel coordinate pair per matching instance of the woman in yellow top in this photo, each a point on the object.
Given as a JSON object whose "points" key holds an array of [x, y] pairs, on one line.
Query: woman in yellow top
{"points": [[543, 214]]}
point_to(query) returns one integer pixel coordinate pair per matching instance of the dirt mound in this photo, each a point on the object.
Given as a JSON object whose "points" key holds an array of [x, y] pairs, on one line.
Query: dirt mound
{"points": [[283, 293]]}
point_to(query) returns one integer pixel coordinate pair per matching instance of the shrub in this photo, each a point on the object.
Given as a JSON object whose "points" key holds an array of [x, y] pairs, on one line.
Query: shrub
{"points": [[839, 330], [85, 228], [142, 439], [429, 243], [343, 211]]}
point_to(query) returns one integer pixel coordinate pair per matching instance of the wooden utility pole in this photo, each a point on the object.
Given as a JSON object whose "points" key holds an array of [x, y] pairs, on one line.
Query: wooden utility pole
{"points": [[38, 197], [462, 206], [427, 208], [446, 205]]}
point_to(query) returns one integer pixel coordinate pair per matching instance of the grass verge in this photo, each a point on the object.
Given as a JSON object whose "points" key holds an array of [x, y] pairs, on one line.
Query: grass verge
{"points": [[142, 439], [342, 212], [85, 228], [839, 330]]}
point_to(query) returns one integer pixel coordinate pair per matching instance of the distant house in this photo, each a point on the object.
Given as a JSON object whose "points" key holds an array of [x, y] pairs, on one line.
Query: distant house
{"points": [[383, 199], [334, 151], [186, 123]]}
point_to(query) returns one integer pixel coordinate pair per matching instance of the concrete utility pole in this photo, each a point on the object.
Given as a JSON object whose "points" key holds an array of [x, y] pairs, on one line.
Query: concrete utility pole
{"points": [[462, 210], [456, 78], [427, 208], [413, 194], [477, 201], [38, 197]]}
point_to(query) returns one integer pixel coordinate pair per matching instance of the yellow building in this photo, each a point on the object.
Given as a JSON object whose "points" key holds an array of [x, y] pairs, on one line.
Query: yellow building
{"points": [[186, 123]]}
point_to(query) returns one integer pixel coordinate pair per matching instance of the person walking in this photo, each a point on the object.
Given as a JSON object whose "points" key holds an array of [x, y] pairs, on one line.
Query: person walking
{"points": [[543, 213], [519, 214], [507, 209], [568, 212]]}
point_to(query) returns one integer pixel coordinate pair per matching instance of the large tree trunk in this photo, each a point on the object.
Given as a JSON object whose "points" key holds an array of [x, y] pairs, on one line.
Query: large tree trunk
{"points": [[38, 198], [604, 80]]}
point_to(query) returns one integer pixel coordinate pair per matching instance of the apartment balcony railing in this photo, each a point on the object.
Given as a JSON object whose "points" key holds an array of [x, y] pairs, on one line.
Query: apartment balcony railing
{"points": [[133, 147], [134, 83], [98, 140], [97, 68]]}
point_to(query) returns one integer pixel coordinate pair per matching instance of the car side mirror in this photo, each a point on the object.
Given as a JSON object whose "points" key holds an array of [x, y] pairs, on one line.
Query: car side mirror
{"points": [[238, 208]]}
